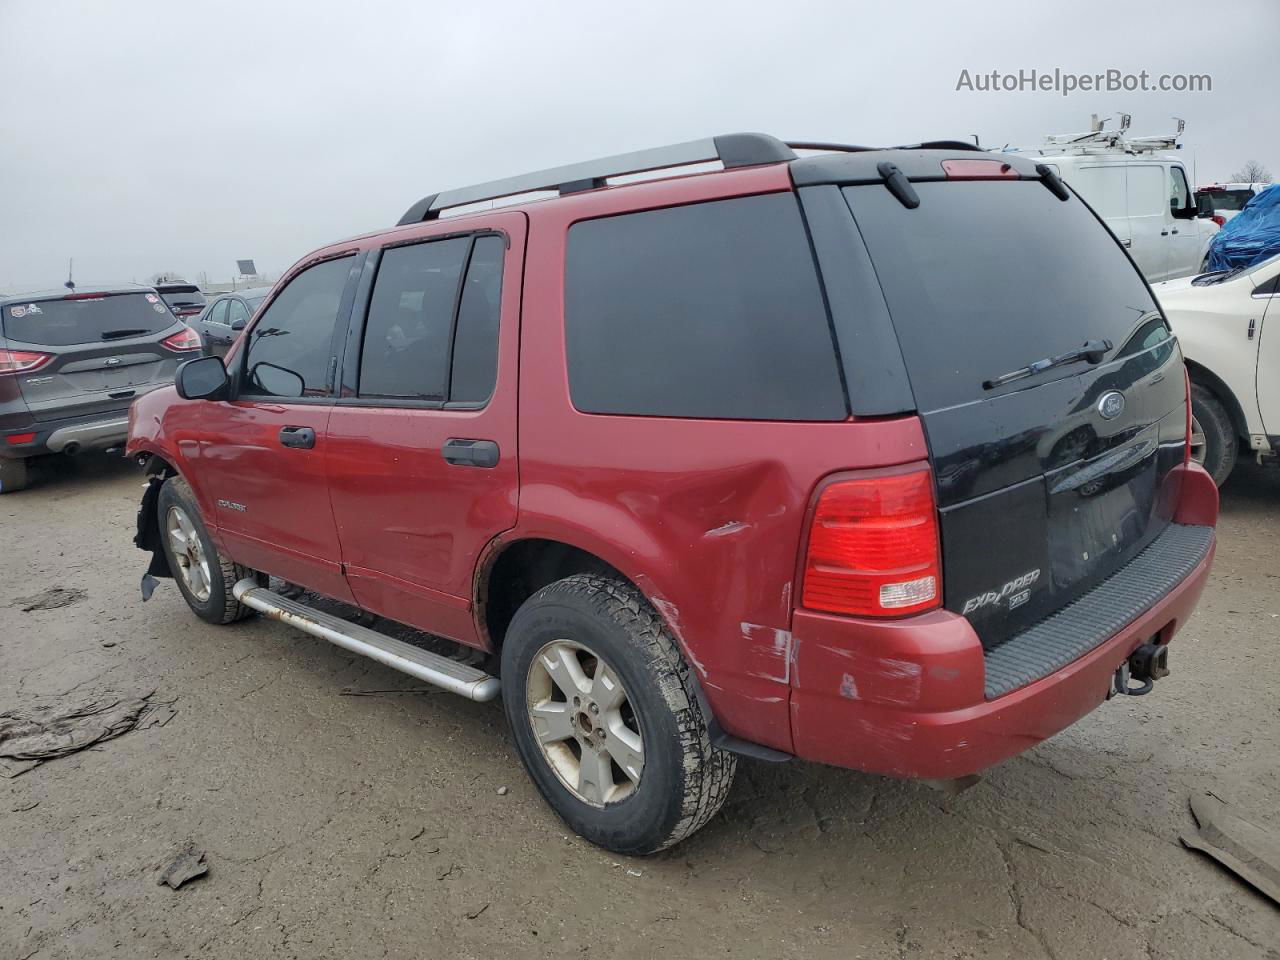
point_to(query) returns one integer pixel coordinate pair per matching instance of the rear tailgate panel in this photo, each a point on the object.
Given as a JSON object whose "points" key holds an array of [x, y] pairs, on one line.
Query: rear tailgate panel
{"points": [[1067, 498], [93, 369], [88, 378], [1041, 496]]}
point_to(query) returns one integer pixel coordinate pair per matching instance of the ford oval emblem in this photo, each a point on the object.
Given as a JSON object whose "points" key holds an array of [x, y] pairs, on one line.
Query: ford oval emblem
{"points": [[1111, 404]]}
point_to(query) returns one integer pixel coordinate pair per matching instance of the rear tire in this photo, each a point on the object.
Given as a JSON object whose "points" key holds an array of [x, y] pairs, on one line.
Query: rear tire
{"points": [[605, 717], [13, 475], [1213, 438], [203, 576]]}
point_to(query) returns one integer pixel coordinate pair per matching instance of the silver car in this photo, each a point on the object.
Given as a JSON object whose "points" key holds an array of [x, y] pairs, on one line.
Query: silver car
{"points": [[222, 320]]}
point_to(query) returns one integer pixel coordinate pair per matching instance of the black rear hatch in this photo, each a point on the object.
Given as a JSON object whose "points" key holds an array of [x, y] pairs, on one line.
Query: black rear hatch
{"points": [[1048, 480]]}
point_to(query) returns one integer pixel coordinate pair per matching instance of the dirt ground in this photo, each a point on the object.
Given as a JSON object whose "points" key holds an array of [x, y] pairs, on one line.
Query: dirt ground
{"points": [[338, 825]]}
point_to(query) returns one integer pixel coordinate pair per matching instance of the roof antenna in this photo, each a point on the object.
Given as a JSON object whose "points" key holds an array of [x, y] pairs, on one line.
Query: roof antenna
{"points": [[70, 284], [975, 140]]}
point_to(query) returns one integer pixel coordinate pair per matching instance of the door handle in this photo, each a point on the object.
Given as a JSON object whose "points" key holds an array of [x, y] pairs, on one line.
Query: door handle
{"points": [[1127, 242], [300, 438], [470, 453], [1165, 233], [1174, 230]]}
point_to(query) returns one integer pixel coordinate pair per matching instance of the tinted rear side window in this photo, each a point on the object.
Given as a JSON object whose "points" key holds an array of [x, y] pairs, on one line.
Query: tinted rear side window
{"points": [[475, 344], [986, 277], [61, 323], [708, 310], [406, 339]]}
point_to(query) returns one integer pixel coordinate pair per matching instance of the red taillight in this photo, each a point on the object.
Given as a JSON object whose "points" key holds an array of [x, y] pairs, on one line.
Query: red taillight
{"points": [[18, 439], [873, 547], [978, 170], [184, 339], [1219, 219], [1186, 447], [22, 361]]}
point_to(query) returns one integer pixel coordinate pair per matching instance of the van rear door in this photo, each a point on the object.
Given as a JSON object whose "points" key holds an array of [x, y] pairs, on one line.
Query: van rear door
{"points": [[1048, 480]]}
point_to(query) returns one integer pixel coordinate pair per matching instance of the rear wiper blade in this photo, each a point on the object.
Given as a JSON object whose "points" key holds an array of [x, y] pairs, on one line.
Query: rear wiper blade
{"points": [[120, 334], [1093, 351]]}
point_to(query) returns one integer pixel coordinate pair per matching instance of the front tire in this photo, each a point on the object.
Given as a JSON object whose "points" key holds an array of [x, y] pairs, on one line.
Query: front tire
{"points": [[203, 576], [605, 717], [1213, 439]]}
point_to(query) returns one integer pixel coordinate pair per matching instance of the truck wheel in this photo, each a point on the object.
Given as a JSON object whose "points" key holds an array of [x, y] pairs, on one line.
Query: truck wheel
{"points": [[13, 475], [204, 577], [605, 718], [1213, 438]]}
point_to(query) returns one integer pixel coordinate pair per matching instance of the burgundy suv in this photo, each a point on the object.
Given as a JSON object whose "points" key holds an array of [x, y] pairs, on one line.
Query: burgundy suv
{"points": [[872, 457]]}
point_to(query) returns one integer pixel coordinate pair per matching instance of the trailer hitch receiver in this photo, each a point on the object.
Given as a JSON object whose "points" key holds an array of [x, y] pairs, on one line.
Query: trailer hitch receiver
{"points": [[1146, 665]]}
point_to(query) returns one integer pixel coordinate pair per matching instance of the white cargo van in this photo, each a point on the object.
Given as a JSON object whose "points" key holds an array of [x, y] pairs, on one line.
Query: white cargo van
{"points": [[1140, 188]]}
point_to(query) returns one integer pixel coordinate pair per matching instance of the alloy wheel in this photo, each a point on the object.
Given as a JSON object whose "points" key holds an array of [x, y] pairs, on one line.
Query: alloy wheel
{"points": [[584, 723], [193, 566]]}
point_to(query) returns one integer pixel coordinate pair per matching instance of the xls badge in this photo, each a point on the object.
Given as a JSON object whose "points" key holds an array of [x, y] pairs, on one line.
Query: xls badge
{"points": [[1016, 592]]}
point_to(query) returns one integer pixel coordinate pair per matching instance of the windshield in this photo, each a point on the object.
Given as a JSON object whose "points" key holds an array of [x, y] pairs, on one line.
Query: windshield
{"points": [[987, 277], [85, 319], [187, 297]]}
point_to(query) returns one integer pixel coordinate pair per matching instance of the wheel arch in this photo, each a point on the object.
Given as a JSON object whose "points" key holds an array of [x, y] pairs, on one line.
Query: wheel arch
{"points": [[1206, 378]]}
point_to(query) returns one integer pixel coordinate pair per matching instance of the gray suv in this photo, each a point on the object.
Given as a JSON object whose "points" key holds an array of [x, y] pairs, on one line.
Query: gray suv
{"points": [[72, 362]]}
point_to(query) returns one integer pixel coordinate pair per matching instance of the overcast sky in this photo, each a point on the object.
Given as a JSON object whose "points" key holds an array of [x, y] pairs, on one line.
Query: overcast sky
{"points": [[149, 135]]}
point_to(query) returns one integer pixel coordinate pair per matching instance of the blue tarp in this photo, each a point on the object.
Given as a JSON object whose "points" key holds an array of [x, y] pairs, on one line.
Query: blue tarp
{"points": [[1251, 236]]}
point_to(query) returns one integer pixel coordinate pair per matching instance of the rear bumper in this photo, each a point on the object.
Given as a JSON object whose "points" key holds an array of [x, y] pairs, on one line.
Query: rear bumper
{"points": [[100, 431], [908, 698]]}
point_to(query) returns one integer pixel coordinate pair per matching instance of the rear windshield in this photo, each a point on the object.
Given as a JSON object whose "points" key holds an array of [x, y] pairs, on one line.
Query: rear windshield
{"points": [[986, 277], [60, 323], [1229, 199], [179, 298]]}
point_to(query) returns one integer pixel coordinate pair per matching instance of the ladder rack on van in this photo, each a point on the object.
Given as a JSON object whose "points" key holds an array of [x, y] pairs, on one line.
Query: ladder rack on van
{"points": [[730, 150], [1101, 141]]}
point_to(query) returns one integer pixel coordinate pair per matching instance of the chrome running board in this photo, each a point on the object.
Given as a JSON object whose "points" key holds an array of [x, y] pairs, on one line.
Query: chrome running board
{"points": [[459, 678]]}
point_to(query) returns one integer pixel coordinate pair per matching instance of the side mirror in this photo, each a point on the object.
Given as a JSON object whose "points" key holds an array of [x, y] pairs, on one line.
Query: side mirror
{"points": [[238, 324], [276, 381], [204, 378]]}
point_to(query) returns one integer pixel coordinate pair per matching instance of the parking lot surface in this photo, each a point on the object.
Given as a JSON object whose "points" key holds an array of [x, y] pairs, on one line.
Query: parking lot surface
{"points": [[344, 811]]}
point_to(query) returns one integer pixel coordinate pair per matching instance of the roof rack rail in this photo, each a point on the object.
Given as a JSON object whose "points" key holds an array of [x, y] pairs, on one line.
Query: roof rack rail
{"points": [[732, 150]]}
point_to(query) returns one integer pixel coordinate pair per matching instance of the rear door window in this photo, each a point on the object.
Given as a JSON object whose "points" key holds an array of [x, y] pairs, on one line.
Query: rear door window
{"points": [[432, 327], [1039, 279], [291, 345], [85, 319], [410, 322], [219, 312], [706, 310]]}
